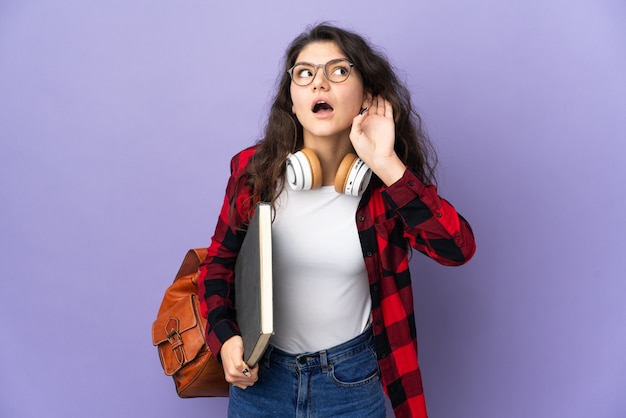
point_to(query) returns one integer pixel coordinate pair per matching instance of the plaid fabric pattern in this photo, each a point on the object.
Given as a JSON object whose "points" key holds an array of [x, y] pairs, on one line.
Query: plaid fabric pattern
{"points": [[389, 219]]}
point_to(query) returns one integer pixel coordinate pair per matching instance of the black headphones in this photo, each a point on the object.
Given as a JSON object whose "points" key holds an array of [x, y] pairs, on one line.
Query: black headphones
{"points": [[304, 172]]}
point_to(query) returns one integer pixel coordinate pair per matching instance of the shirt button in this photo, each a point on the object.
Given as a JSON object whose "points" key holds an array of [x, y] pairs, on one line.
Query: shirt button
{"points": [[411, 183], [438, 215], [369, 254], [362, 218]]}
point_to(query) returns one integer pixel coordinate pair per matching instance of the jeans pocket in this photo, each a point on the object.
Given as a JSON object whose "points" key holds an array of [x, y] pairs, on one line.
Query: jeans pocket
{"points": [[357, 370]]}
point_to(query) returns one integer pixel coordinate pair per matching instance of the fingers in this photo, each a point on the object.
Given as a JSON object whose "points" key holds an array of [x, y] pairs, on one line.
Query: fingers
{"points": [[236, 372], [243, 378], [382, 106], [377, 105]]}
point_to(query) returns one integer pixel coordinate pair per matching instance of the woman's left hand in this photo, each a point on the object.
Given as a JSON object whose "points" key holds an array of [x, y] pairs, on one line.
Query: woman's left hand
{"points": [[373, 137]]}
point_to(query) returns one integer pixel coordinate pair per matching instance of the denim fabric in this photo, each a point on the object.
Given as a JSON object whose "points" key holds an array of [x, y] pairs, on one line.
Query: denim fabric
{"points": [[341, 382]]}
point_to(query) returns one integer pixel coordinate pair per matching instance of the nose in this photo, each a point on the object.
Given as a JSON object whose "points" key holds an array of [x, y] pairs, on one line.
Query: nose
{"points": [[319, 78]]}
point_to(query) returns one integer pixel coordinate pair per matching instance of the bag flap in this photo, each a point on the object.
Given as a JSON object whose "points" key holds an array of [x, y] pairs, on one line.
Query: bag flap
{"points": [[179, 334], [192, 261]]}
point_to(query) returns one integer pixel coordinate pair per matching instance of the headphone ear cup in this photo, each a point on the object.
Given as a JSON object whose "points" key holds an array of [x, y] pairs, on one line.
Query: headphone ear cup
{"points": [[353, 176], [342, 172], [304, 171]]}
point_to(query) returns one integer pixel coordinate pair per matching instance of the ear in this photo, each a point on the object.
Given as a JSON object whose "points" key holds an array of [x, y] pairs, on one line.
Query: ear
{"points": [[367, 97]]}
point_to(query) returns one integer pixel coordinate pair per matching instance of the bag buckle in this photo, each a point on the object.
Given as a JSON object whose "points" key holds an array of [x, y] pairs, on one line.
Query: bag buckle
{"points": [[175, 339]]}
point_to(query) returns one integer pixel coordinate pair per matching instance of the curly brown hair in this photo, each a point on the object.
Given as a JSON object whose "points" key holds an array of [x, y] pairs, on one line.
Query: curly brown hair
{"points": [[284, 134]]}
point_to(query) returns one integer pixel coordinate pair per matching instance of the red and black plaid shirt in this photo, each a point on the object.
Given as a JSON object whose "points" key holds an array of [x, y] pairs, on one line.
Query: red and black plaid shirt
{"points": [[387, 218]]}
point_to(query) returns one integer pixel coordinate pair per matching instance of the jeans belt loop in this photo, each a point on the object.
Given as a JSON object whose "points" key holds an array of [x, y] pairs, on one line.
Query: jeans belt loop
{"points": [[324, 361]]}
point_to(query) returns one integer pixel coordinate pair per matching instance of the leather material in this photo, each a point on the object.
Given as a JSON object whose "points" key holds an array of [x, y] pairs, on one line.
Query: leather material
{"points": [[179, 335]]}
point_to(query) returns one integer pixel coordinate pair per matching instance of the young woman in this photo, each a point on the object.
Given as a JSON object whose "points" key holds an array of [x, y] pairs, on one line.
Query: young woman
{"points": [[343, 229]]}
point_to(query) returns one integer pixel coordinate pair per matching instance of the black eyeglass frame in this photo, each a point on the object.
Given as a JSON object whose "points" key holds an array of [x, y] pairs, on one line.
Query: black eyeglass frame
{"points": [[316, 66]]}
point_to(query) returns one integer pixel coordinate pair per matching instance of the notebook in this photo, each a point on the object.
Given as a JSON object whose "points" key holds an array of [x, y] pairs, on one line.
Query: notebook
{"points": [[253, 285]]}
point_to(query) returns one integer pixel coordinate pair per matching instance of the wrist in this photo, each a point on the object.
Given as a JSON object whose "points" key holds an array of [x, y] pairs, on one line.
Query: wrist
{"points": [[389, 170]]}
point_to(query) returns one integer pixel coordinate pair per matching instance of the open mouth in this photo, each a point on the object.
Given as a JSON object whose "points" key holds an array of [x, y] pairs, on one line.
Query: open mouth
{"points": [[322, 106]]}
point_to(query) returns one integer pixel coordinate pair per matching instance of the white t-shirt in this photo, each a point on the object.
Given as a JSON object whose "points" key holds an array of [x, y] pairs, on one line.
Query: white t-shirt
{"points": [[321, 290]]}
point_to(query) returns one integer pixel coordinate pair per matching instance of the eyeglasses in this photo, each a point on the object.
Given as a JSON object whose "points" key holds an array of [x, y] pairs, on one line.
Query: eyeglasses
{"points": [[337, 71]]}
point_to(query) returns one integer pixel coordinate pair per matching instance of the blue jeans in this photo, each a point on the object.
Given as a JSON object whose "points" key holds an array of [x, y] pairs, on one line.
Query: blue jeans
{"points": [[342, 381]]}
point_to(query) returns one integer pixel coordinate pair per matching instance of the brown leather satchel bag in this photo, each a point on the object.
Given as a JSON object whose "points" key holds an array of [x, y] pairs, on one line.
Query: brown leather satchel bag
{"points": [[178, 333]]}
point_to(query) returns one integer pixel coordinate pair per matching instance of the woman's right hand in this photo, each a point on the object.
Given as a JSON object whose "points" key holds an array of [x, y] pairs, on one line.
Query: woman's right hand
{"points": [[234, 366]]}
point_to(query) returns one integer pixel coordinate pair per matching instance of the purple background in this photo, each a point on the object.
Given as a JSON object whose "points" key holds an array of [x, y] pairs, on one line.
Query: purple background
{"points": [[117, 122]]}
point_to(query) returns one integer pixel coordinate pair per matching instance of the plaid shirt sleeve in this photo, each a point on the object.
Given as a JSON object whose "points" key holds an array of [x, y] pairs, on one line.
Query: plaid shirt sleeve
{"points": [[388, 218], [216, 279]]}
